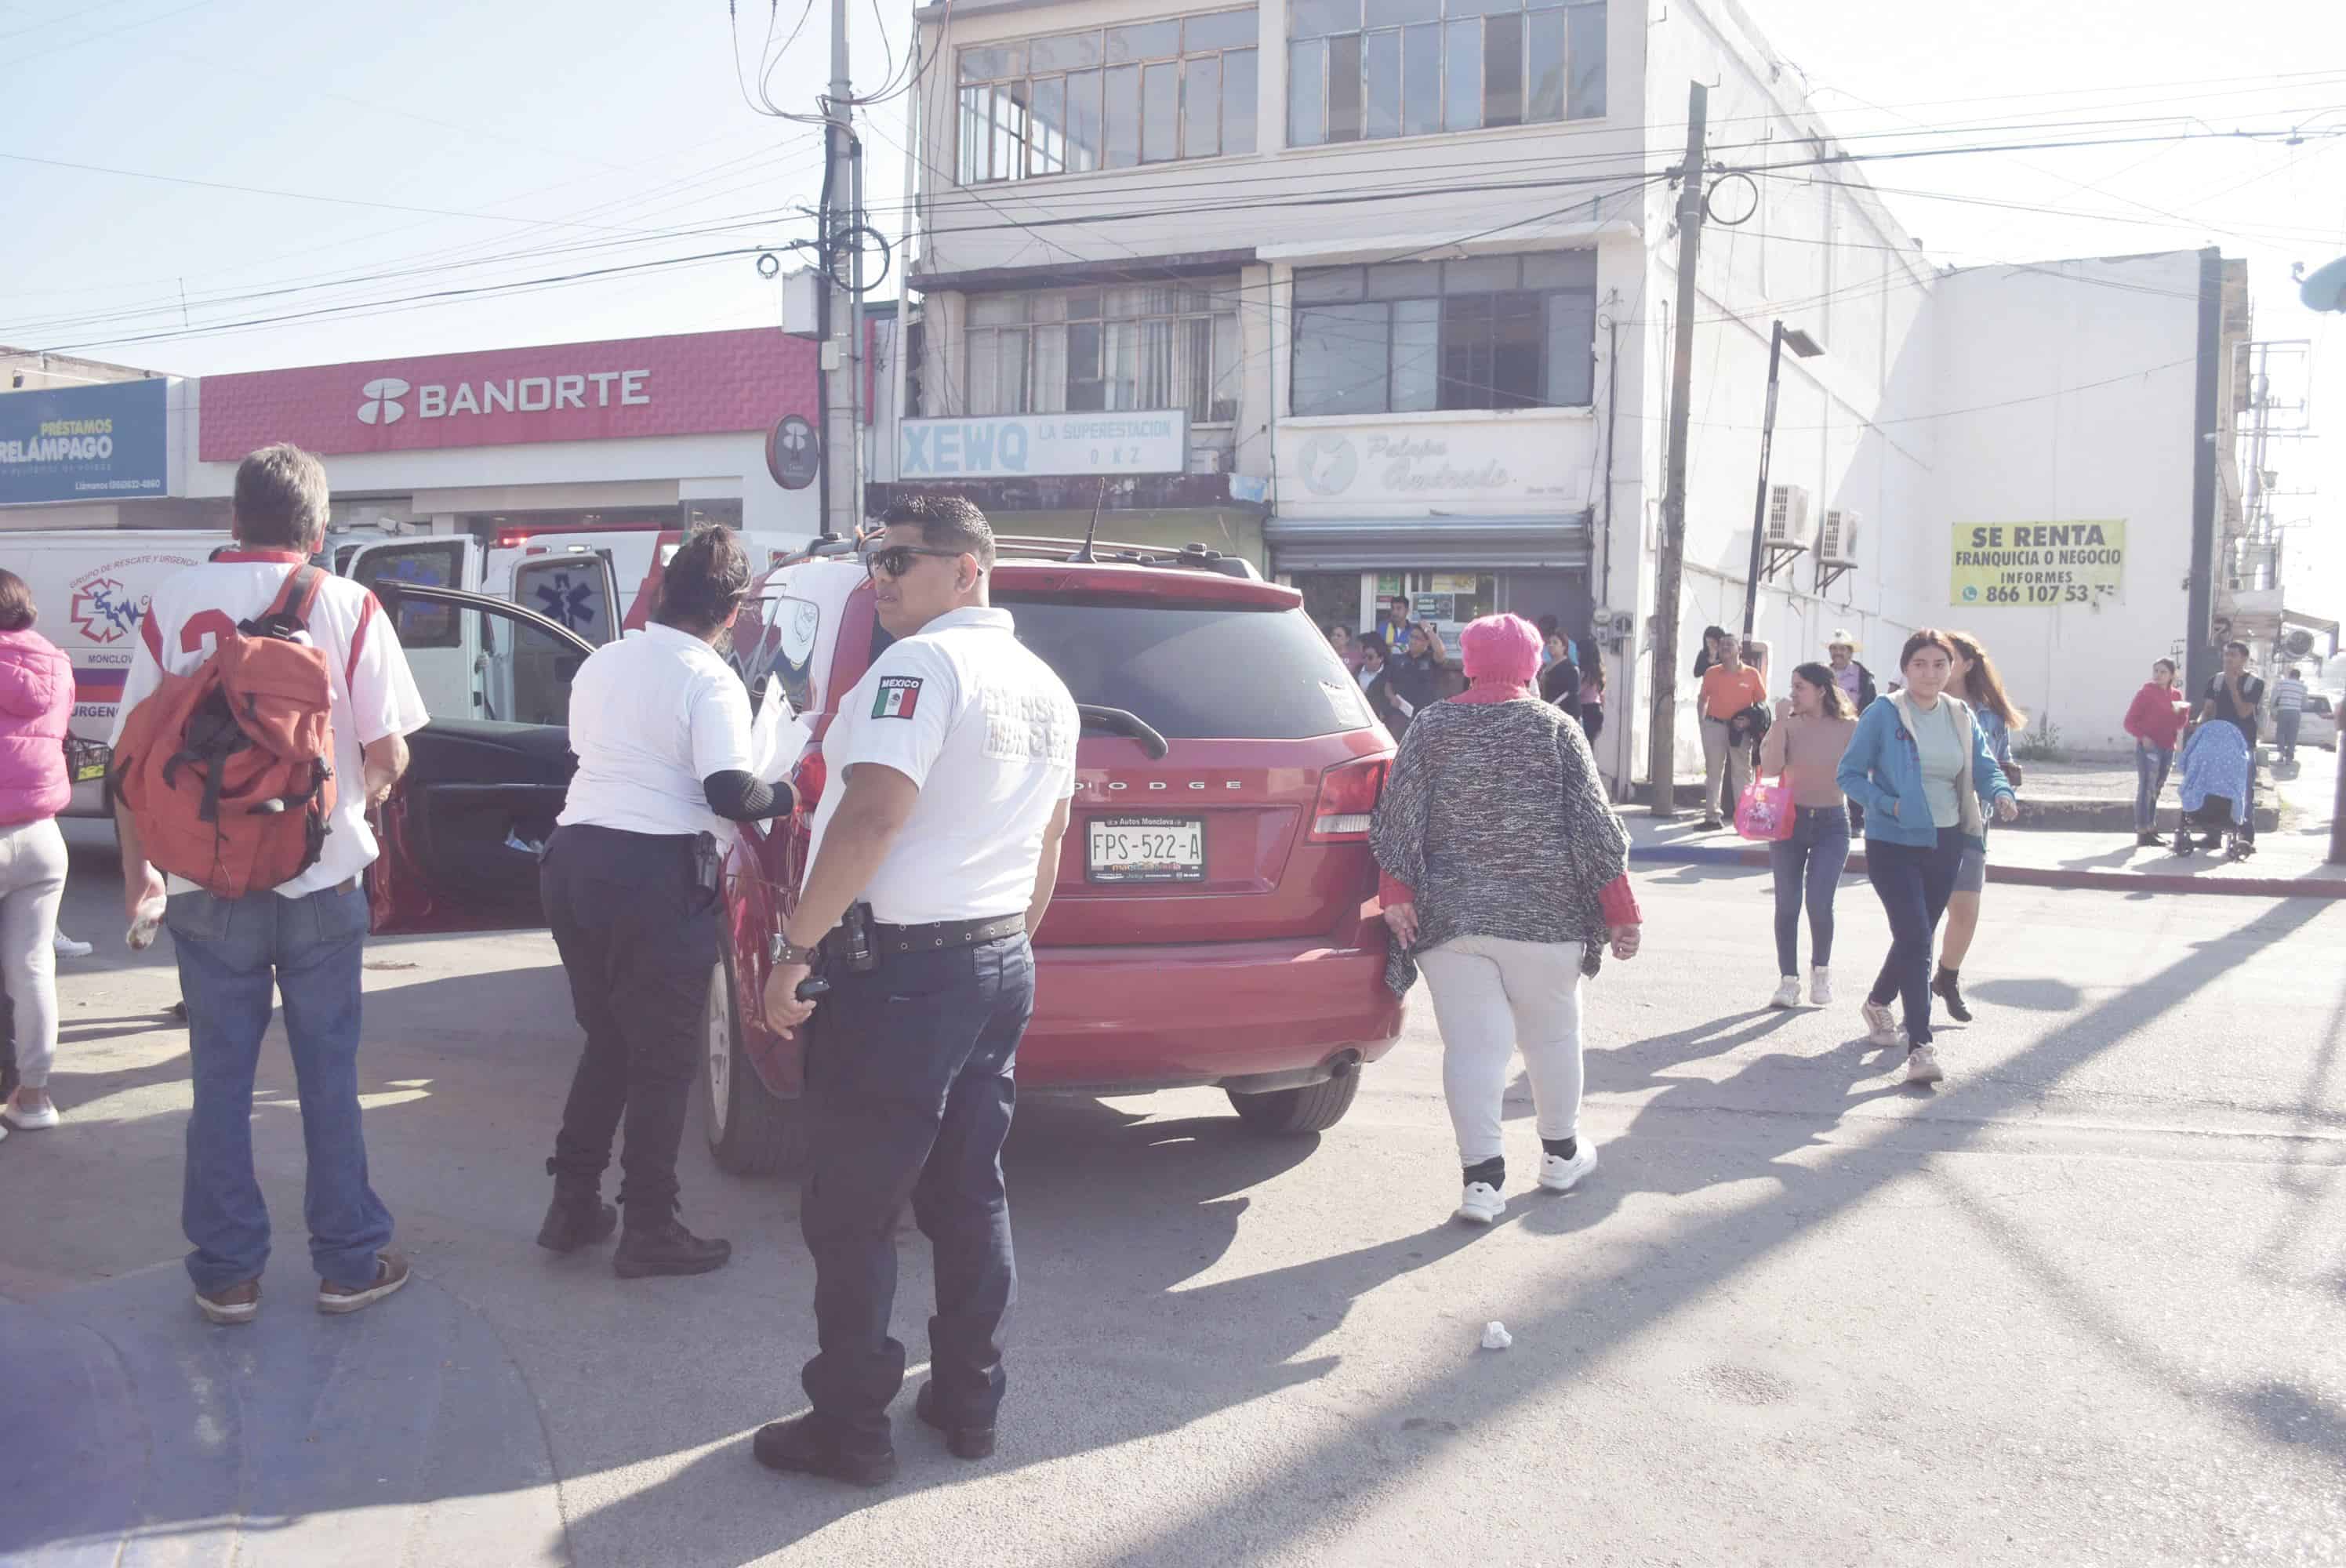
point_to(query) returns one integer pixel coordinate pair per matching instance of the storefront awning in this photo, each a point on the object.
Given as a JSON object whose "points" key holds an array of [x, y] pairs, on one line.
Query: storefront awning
{"points": [[1387, 544]]}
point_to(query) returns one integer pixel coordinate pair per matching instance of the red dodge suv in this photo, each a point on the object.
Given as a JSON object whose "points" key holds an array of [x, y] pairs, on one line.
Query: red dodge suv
{"points": [[1216, 919]]}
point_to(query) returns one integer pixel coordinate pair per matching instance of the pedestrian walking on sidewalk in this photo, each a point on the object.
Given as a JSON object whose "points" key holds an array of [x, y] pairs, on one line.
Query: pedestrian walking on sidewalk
{"points": [[1592, 696], [953, 763], [1729, 688], [1920, 766], [1505, 876], [2155, 719], [36, 695], [660, 725], [1805, 745], [2236, 697], [302, 941], [1856, 683], [1976, 682], [1559, 676], [2289, 713]]}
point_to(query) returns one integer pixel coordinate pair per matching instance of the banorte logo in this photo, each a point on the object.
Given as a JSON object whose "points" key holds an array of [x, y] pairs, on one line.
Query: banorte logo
{"points": [[382, 406]]}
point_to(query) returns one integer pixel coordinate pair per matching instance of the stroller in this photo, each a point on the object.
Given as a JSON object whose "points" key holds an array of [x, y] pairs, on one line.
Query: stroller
{"points": [[2218, 772]]}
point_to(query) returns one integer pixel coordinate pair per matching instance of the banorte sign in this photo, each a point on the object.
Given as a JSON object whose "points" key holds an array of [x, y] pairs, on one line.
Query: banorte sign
{"points": [[698, 384]]}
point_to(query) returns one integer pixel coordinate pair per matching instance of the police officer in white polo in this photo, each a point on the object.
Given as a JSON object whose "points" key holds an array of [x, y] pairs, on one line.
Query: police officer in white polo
{"points": [[954, 760]]}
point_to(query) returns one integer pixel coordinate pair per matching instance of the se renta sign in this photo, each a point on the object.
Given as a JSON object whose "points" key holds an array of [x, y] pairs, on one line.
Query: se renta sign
{"points": [[2034, 565], [1037, 445], [103, 442]]}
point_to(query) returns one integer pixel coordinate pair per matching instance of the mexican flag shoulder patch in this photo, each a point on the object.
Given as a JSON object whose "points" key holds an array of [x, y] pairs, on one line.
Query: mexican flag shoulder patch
{"points": [[899, 695]]}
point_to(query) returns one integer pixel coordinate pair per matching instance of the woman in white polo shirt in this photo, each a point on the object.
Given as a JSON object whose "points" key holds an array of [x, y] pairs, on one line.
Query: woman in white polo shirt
{"points": [[660, 725]]}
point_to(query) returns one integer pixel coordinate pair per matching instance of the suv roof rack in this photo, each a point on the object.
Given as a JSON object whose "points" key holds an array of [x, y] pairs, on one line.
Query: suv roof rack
{"points": [[1034, 546]]}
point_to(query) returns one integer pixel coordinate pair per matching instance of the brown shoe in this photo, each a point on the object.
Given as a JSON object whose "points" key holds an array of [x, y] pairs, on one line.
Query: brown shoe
{"points": [[236, 1304], [391, 1272]]}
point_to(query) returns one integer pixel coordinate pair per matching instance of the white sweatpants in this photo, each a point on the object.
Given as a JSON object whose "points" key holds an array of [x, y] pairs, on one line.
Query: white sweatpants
{"points": [[1491, 995], [31, 884]]}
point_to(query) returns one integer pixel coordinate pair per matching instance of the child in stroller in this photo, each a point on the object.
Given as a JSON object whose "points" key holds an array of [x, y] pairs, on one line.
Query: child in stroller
{"points": [[2217, 768]]}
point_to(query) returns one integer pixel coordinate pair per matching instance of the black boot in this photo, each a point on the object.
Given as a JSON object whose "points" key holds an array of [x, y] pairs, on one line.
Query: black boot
{"points": [[664, 1247], [577, 1216], [803, 1446], [966, 1442], [2148, 840], [1944, 986]]}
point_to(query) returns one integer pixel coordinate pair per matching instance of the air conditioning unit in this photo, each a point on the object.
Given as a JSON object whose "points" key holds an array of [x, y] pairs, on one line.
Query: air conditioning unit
{"points": [[1788, 515], [2298, 643], [1837, 541], [1206, 459]]}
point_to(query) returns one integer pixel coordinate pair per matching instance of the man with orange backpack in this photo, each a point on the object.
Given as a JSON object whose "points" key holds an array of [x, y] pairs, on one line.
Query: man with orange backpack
{"points": [[266, 710]]}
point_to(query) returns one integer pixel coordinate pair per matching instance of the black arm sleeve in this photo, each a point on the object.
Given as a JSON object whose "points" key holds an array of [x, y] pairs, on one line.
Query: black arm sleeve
{"points": [[741, 797]]}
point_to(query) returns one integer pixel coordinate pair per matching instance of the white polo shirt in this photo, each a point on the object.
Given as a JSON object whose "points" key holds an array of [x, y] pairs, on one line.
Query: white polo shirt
{"points": [[651, 715], [373, 692], [987, 731]]}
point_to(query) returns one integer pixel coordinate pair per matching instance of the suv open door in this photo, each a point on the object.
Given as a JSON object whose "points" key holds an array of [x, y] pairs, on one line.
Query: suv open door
{"points": [[462, 831]]}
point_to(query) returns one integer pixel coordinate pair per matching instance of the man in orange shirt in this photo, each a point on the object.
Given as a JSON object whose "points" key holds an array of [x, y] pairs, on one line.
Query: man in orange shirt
{"points": [[1729, 688]]}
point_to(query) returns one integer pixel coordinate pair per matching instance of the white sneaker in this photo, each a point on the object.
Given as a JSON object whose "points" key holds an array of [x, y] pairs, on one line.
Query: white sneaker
{"points": [[1820, 986], [1923, 1066], [1560, 1175], [25, 1120], [1881, 1028], [1481, 1204], [1787, 993], [68, 948]]}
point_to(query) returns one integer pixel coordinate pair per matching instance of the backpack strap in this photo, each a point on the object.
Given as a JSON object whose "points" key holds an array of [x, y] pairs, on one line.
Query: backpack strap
{"points": [[303, 585]]}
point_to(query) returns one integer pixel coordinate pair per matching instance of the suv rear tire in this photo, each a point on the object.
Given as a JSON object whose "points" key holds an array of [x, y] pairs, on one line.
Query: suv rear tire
{"points": [[750, 1131], [1313, 1108]]}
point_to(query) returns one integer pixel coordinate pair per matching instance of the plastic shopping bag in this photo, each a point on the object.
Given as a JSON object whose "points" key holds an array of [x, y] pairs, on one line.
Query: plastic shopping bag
{"points": [[1765, 812]]}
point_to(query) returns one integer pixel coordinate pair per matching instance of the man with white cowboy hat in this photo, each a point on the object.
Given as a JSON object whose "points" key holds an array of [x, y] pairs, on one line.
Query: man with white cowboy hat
{"points": [[1840, 654]]}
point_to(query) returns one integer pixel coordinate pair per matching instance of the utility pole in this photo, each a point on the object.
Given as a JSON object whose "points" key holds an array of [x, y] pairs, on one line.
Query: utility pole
{"points": [[1661, 758], [842, 217]]}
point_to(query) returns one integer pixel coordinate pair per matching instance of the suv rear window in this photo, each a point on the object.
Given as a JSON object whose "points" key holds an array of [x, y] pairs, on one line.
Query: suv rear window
{"points": [[1194, 672]]}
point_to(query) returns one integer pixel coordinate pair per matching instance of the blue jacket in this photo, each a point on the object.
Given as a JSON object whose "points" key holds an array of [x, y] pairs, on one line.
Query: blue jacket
{"points": [[1883, 767]]}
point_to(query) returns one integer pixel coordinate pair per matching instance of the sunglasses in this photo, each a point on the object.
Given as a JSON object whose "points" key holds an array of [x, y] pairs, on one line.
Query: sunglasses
{"points": [[895, 560]]}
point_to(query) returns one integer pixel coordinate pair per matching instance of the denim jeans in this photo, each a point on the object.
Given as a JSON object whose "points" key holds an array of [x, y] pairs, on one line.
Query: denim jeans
{"points": [[1914, 883], [233, 952], [2150, 769], [1809, 861], [909, 1095], [2286, 724]]}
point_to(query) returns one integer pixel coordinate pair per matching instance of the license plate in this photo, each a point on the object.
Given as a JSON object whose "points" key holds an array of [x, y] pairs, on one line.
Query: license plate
{"points": [[1147, 850]]}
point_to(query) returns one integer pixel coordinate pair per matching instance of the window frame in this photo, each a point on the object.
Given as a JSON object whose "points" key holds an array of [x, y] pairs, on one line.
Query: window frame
{"points": [[1541, 279], [1446, 23], [982, 134], [1207, 306]]}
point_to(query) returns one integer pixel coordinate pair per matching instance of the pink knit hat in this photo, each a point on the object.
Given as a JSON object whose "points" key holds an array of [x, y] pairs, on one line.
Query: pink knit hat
{"points": [[1501, 648]]}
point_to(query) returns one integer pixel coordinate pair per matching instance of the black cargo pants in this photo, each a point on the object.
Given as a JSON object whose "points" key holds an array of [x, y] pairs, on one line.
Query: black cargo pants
{"points": [[638, 937], [909, 1097]]}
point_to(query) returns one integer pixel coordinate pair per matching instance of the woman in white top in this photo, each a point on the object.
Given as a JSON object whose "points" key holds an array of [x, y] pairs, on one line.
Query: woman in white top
{"points": [[660, 724]]}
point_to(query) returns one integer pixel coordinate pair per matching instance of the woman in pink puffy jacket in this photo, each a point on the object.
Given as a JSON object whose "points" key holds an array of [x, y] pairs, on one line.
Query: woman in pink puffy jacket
{"points": [[36, 690]]}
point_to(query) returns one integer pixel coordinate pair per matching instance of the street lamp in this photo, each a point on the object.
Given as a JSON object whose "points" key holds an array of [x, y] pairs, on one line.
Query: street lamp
{"points": [[1808, 348]]}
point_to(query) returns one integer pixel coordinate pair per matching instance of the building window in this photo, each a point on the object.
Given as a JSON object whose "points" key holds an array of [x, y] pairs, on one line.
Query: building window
{"points": [[1100, 349], [1109, 99], [1494, 332], [1361, 69]]}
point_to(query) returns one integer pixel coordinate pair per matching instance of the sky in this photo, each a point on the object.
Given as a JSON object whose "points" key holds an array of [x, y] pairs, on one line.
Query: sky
{"points": [[479, 143]]}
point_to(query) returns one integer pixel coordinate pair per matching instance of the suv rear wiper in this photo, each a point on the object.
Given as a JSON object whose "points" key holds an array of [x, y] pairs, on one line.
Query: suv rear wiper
{"points": [[1124, 721]]}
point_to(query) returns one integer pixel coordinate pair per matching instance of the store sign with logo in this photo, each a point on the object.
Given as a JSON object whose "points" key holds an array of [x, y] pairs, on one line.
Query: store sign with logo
{"points": [[696, 383], [1036, 446], [103, 442], [2038, 565], [1502, 459]]}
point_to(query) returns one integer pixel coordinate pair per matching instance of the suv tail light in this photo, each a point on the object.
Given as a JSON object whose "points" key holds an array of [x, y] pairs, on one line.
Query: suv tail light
{"points": [[1348, 799]]}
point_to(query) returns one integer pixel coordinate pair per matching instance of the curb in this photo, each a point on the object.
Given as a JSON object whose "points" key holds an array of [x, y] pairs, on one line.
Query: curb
{"points": [[2037, 876]]}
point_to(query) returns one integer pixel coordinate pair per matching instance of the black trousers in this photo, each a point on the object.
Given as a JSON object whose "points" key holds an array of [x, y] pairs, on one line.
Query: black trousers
{"points": [[639, 940], [909, 1097], [1914, 882]]}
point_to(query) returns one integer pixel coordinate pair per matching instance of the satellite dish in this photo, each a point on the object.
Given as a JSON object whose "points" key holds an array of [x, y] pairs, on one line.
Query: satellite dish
{"points": [[2324, 288]]}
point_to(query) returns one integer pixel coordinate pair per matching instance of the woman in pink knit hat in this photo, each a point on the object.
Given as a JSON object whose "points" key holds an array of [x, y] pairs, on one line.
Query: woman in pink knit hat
{"points": [[1506, 878]]}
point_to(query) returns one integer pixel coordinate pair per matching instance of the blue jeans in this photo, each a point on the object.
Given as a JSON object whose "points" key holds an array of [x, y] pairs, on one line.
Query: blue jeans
{"points": [[2150, 769], [1914, 883], [1813, 857], [910, 1089], [233, 954], [2286, 724]]}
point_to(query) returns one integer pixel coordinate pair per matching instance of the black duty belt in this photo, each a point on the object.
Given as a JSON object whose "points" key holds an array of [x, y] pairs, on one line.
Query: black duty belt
{"points": [[944, 933]]}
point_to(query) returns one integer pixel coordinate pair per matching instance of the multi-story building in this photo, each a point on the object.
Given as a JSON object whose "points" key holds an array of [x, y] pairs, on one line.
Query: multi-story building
{"points": [[1380, 293]]}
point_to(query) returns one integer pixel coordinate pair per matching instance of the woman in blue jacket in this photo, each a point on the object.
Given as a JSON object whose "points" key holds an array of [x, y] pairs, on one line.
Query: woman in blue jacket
{"points": [[1921, 766]]}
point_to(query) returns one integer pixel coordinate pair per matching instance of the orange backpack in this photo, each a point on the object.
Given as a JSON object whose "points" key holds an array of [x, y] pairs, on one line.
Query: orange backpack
{"points": [[227, 770]]}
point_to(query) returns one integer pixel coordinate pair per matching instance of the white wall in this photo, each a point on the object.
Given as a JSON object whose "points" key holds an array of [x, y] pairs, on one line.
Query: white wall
{"points": [[2121, 335]]}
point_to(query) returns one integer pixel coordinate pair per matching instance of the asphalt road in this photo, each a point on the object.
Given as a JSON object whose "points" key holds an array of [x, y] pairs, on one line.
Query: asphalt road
{"points": [[2086, 1303]]}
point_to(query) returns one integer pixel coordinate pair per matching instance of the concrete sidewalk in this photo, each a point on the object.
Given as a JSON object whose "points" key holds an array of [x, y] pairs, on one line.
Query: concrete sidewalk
{"points": [[2290, 860]]}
